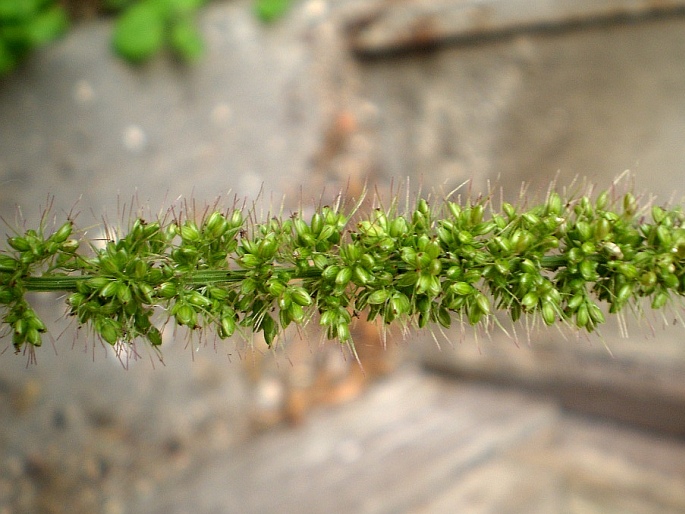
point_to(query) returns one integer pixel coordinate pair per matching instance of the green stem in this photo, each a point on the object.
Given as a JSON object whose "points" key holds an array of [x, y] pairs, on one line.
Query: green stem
{"points": [[68, 283], [51, 283], [553, 262]]}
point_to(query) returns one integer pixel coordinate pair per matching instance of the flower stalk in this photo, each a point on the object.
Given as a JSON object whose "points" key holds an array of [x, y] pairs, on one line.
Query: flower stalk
{"points": [[562, 261]]}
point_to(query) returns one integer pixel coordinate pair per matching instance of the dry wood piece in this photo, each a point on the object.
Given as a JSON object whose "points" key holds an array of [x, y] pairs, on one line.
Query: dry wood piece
{"points": [[395, 27]]}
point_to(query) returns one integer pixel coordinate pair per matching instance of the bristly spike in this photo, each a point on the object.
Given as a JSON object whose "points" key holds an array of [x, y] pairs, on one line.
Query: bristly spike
{"points": [[439, 261]]}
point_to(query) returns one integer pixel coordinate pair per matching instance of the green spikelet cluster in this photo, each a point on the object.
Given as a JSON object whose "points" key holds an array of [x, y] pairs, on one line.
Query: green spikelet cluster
{"points": [[563, 261]]}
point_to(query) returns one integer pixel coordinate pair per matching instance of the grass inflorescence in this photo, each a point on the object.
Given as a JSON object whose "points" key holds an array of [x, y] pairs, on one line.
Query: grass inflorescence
{"points": [[563, 261]]}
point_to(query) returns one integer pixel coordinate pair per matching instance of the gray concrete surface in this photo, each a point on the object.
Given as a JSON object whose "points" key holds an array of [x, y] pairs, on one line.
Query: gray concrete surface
{"points": [[417, 443], [287, 110], [588, 103]]}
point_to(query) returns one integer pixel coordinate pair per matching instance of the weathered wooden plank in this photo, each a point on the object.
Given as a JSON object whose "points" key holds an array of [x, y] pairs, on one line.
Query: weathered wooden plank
{"points": [[393, 27], [635, 379]]}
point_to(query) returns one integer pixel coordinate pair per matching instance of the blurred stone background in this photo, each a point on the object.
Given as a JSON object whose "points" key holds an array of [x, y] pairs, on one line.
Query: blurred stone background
{"points": [[335, 95]]}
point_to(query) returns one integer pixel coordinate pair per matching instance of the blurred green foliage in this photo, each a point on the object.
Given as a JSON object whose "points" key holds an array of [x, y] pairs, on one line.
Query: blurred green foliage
{"points": [[147, 26], [142, 28], [25, 25], [270, 10]]}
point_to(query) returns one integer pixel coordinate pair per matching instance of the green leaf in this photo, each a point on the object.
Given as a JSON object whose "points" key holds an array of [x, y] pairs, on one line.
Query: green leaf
{"points": [[378, 297], [124, 293], [575, 302], [297, 313], [117, 5], [109, 289], [139, 33], [270, 329], [660, 300], [185, 40], [8, 264], [7, 59], [109, 329], [400, 304], [343, 332], [199, 300], [548, 313], [17, 10], [300, 296], [185, 314], [270, 10], [444, 317], [227, 327], [595, 313], [47, 26], [154, 336], [483, 303], [343, 277], [582, 316], [407, 279], [184, 7], [361, 276], [409, 256], [19, 243], [6, 296], [33, 337], [424, 283], [63, 233], [530, 300]]}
